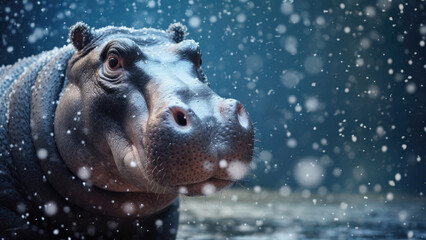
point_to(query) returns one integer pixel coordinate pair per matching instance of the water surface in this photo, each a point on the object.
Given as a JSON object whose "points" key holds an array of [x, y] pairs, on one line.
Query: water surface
{"points": [[236, 214]]}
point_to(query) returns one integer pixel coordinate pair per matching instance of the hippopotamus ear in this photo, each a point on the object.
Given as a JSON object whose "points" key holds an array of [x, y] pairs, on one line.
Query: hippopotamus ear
{"points": [[80, 35], [177, 32]]}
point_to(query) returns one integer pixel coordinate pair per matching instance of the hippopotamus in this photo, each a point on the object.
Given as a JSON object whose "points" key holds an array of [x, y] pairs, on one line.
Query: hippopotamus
{"points": [[99, 138]]}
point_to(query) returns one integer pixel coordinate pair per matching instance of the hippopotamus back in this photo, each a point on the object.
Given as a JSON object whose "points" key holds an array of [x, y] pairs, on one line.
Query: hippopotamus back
{"points": [[99, 137]]}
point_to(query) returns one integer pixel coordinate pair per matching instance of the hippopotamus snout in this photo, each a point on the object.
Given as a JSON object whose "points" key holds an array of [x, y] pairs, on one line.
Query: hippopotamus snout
{"points": [[202, 144]]}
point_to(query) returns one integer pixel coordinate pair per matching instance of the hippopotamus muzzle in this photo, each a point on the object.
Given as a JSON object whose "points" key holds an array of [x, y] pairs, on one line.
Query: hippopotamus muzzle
{"points": [[200, 143]]}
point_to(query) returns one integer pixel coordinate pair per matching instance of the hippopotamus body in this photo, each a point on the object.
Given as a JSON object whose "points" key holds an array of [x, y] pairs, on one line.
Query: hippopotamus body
{"points": [[98, 138]]}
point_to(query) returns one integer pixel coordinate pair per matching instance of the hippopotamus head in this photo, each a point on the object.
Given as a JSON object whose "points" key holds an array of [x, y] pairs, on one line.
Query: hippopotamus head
{"points": [[137, 115]]}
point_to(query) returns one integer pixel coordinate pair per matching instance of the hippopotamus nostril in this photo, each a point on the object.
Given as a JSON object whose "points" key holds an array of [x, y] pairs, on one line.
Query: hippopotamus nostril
{"points": [[243, 118], [233, 111], [180, 117]]}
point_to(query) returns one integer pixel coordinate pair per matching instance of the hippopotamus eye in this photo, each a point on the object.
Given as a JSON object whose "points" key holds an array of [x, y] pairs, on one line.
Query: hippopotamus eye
{"points": [[113, 63], [113, 67]]}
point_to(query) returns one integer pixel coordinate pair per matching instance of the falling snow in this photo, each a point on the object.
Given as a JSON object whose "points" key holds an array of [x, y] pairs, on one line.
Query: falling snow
{"points": [[336, 91]]}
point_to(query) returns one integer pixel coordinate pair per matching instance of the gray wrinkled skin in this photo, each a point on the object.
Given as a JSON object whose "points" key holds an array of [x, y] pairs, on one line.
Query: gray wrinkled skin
{"points": [[99, 137]]}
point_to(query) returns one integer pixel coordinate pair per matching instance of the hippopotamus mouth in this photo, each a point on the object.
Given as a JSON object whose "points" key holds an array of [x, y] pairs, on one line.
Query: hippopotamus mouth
{"points": [[142, 106]]}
